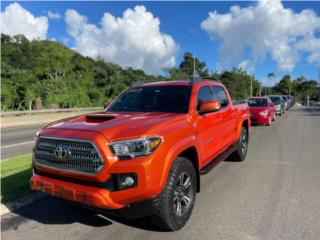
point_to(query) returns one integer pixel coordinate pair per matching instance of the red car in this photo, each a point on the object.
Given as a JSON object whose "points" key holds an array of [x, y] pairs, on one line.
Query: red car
{"points": [[262, 110]]}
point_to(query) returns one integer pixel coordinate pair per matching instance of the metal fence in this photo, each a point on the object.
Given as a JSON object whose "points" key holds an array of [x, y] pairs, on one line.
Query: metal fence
{"points": [[17, 113]]}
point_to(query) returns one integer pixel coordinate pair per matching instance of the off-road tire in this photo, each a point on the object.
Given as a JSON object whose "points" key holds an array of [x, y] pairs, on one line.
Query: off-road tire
{"points": [[166, 217]]}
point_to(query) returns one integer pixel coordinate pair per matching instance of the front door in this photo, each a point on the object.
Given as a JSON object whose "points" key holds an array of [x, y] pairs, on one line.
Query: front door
{"points": [[210, 127]]}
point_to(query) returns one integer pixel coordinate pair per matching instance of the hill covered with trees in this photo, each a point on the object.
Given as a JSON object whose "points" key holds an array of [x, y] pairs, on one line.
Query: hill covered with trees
{"points": [[63, 78], [60, 76]]}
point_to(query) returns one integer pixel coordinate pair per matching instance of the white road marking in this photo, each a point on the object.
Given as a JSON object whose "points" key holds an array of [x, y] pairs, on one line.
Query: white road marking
{"points": [[17, 144]]}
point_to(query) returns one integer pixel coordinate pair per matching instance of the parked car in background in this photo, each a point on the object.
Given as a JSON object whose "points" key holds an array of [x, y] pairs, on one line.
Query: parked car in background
{"points": [[289, 100], [144, 154], [279, 104], [262, 110], [286, 101]]}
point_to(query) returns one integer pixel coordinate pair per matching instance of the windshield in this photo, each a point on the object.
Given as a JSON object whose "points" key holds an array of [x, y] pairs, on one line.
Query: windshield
{"points": [[276, 100], [258, 102], [173, 99]]}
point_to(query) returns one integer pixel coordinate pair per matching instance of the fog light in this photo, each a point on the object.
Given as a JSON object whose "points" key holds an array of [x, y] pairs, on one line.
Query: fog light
{"points": [[126, 181]]}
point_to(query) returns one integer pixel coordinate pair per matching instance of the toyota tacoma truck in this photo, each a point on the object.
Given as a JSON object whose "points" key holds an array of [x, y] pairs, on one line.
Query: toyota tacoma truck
{"points": [[145, 153]]}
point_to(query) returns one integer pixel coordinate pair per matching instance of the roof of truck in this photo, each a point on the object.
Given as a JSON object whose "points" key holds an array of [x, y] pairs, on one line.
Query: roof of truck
{"points": [[178, 83]]}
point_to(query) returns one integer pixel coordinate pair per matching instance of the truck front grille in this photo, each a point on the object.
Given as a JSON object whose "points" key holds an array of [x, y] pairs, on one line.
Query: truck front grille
{"points": [[68, 154]]}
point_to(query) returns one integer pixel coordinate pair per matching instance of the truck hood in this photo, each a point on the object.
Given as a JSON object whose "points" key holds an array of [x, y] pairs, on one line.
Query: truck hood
{"points": [[119, 126]]}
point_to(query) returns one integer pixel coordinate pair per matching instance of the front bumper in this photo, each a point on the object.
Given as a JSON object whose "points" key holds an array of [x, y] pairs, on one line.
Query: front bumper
{"points": [[93, 196], [259, 119]]}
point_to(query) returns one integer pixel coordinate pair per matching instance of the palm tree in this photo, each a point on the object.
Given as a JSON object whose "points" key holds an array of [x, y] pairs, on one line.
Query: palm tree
{"points": [[271, 76]]}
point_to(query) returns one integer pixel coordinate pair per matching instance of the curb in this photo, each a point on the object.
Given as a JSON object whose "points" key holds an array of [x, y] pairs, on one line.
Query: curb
{"points": [[21, 202]]}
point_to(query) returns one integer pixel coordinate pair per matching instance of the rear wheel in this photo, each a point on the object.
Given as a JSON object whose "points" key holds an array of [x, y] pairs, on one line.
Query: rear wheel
{"points": [[177, 199], [241, 152]]}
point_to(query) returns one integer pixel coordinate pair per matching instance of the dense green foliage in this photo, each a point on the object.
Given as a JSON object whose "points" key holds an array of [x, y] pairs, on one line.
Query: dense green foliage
{"points": [[300, 88], [63, 78], [59, 75], [237, 81]]}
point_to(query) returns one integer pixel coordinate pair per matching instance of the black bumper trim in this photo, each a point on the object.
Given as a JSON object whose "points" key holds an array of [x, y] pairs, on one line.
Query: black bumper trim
{"points": [[109, 185]]}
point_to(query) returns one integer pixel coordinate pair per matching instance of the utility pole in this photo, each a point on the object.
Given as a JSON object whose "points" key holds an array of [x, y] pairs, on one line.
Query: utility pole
{"points": [[251, 89], [194, 60]]}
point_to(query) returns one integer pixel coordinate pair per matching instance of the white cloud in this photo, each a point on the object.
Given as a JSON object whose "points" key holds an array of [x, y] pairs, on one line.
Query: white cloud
{"points": [[133, 40], [17, 20], [312, 45], [268, 28], [246, 65], [53, 15]]}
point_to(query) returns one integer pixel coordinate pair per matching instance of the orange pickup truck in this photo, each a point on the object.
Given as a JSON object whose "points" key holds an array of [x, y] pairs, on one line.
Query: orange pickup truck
{"points": [[145, 153]]}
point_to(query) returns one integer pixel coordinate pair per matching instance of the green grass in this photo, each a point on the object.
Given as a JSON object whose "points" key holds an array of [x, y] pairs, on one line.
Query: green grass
{"points": [[15, 176]]}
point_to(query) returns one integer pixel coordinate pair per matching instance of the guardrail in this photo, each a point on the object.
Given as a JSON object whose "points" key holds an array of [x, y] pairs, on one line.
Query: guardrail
{"points": [[17, 113]]}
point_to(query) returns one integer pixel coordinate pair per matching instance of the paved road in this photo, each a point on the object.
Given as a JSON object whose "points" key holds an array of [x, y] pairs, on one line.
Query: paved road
{"points": [[274, 194], [17, 141]]}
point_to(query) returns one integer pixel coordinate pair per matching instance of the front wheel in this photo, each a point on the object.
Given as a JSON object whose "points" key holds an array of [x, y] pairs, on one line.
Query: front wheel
{"points": [[177, 199]]}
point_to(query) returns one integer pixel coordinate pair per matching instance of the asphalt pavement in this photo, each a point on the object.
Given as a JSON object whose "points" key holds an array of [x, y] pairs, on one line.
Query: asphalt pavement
{"points": [[274, 194], [17, 141]]}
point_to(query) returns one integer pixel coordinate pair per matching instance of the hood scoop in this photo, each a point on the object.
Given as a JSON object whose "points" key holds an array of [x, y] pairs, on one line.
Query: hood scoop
{"points": [[99, 118]]}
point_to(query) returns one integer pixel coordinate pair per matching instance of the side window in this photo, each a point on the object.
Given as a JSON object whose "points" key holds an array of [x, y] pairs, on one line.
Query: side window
{"points": [[204, 95], [220, 95]]}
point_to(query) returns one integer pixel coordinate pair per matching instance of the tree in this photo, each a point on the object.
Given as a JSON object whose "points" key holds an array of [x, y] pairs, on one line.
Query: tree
{"points": [[186, 69], [191, 63], [238, 83], [59, 75], [285, 85], [271, 75]]}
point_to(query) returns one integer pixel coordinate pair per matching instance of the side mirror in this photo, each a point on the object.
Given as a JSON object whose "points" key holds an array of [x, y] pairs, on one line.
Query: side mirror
{"points": [[209, 106], [272, 104]]}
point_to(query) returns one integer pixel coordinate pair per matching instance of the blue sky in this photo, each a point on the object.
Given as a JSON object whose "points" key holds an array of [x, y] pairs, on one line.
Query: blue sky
{"points": [[182, 21]]}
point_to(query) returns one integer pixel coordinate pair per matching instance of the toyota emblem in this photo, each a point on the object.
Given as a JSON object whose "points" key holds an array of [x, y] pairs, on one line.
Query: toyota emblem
{"points": [[61, 152]]}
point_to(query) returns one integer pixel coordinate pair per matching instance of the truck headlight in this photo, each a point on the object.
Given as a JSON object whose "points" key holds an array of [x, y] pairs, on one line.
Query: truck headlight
{"points": [[135, 148]]}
